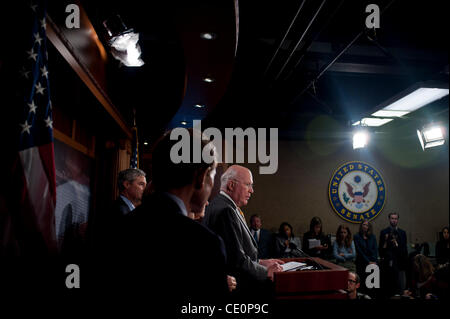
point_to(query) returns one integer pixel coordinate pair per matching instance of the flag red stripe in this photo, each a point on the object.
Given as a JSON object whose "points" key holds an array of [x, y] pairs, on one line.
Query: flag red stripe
{"points": [[40, 194]]}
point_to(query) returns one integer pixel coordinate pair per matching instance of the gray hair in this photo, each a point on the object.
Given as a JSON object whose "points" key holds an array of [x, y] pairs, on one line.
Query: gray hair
{"points": [[229, 174], [128, 175]]}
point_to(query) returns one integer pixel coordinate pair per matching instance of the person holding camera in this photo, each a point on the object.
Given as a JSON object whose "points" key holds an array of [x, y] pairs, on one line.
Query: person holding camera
{"points": [[394, 257]]}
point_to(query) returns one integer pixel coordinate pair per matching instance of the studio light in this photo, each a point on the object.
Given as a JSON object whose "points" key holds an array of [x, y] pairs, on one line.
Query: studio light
{"points": [[123, 42], [372, 121], [416, 99], [208, 79], [208, 36], [386, 113], [407, 101], [360, 139], [412, 99], [431, 136]]}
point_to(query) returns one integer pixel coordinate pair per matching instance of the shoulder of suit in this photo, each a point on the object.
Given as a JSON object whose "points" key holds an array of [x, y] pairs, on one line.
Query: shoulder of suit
{"points": [[222, 199], [220, 204], [119, 202]]}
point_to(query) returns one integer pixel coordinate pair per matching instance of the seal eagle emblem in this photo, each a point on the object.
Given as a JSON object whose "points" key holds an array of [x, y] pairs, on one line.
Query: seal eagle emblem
{"points": [[357, 192]]}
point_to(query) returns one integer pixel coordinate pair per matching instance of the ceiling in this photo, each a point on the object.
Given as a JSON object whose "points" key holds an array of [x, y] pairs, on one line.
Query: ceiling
{"points": [[329, 66]]}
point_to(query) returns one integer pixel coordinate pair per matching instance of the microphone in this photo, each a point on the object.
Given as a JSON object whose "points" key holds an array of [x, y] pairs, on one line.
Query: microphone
{"points": [[303, 254]]}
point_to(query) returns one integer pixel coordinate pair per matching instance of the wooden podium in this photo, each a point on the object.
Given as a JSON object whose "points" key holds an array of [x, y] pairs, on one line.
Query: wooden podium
{"points": [[311, 284]]}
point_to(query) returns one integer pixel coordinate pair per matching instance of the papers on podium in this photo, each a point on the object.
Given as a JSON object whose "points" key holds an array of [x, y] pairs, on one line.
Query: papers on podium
{"points": [[292, 265]]}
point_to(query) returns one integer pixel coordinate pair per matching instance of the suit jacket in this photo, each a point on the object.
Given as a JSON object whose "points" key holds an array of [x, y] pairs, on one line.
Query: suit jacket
{"points": [[107, 226], [170, 254], [396, 257], [242, 251], [119, 207], [265, 244]]}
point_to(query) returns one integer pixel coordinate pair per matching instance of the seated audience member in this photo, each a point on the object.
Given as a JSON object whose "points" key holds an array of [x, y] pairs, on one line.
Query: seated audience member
{"points": [[424, 284], [366, 248], [354, 282], [286, 244], [263, 237], [443, 248], [344, 248], [188, 264], [310, 238]]}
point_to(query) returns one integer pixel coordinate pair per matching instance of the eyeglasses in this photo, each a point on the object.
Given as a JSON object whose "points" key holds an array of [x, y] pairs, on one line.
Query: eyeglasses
{"points": [[249, 185], [353, 281]]}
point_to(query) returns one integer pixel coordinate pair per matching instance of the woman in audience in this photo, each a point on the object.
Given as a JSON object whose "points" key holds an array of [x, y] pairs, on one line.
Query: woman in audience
{"points": [[286, 244], [344, 248], [315, 243], [366, 248], [443, 248]]}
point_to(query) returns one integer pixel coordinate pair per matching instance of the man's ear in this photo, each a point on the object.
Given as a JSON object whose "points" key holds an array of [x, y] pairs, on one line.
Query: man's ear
{"points": [[358, 285], [230, 185], [199, 178], [126, 185]]}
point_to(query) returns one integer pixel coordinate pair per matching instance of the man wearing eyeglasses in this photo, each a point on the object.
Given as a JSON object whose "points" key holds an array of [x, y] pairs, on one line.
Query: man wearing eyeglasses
{"points": [[224, 216], [353, 285]]}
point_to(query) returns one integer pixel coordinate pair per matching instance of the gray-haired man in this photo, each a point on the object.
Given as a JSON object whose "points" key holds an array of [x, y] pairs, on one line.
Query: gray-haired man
{"points": [[131, 183]]}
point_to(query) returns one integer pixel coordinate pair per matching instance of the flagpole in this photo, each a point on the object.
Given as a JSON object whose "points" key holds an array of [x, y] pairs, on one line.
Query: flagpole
{"points": [[134, 161]]}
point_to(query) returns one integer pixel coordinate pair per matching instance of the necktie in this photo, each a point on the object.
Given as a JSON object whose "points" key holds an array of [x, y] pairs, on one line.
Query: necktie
{"points": [[255, 234], [242, 214]]}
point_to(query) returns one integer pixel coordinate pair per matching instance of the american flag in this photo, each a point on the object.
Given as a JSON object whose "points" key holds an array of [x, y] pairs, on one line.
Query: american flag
{"points": [[36, 165]]}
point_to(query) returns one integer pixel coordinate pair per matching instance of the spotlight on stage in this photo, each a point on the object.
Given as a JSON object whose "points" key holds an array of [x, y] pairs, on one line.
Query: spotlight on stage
{"points": [[360, 139], [123, 42], [431, 136]]}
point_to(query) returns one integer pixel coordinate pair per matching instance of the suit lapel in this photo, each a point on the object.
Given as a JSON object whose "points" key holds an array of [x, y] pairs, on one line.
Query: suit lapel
{"points": [[241, 219], [248, 230]]}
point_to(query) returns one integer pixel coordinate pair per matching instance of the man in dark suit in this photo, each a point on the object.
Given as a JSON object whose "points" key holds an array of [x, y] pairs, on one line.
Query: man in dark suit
{"points": [[131, 183], [224, 217], [163, 249], [263, 237], [394, 257]]}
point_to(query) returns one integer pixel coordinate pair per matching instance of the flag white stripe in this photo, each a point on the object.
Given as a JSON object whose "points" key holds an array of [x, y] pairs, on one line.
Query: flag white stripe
{"points": [[38, 189]]}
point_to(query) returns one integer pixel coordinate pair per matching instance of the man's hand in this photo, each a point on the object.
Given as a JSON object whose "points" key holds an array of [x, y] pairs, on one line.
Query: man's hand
{"points": [[269, 262], [272, 269]]}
